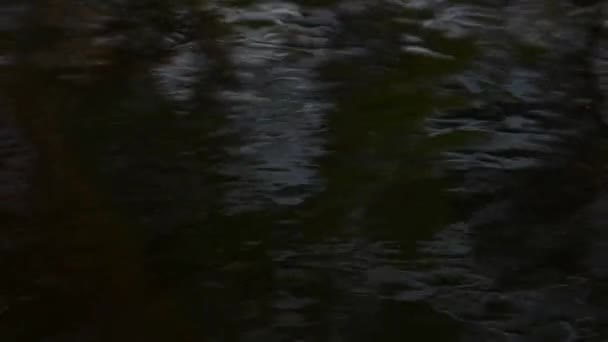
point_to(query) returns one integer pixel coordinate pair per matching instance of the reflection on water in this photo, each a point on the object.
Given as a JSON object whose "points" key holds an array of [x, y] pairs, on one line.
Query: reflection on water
{"points": [[305, 170], [277, 109]]}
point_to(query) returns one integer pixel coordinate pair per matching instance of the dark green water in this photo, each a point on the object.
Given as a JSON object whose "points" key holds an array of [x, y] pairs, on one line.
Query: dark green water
{"points": [[303, 171]]}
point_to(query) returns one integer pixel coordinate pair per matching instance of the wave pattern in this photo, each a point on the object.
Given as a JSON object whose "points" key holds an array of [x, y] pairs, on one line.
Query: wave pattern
{"points": [[277, 109], [299, 155]]}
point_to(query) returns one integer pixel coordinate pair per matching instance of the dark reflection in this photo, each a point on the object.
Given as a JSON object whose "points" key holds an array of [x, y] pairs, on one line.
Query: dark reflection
{"points": [[306, 170]]}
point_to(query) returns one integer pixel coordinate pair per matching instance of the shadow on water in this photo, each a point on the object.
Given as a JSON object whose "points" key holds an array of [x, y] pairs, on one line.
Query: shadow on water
{"points": [[307, 170]]}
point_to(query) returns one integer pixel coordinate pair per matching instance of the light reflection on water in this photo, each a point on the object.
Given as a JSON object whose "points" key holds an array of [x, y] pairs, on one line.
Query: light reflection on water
{"points": [[335, 171]]}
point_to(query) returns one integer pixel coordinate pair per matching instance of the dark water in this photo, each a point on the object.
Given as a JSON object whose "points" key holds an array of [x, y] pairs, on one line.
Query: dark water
{"points": [[391, 170]]}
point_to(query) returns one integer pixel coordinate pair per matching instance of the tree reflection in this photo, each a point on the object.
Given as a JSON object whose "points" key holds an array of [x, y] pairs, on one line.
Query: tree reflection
{"points": [[83, 89], [313, 169]]}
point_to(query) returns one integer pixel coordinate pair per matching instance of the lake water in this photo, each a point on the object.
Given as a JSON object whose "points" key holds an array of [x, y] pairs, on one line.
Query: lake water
{"points": [[305, 170]]}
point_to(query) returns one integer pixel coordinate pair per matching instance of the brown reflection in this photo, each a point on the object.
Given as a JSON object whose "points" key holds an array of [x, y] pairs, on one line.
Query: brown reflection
{"points": [[78, 268]]}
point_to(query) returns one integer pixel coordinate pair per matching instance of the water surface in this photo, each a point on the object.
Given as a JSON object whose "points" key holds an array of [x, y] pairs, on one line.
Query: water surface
{"points": [[303, 171]]}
